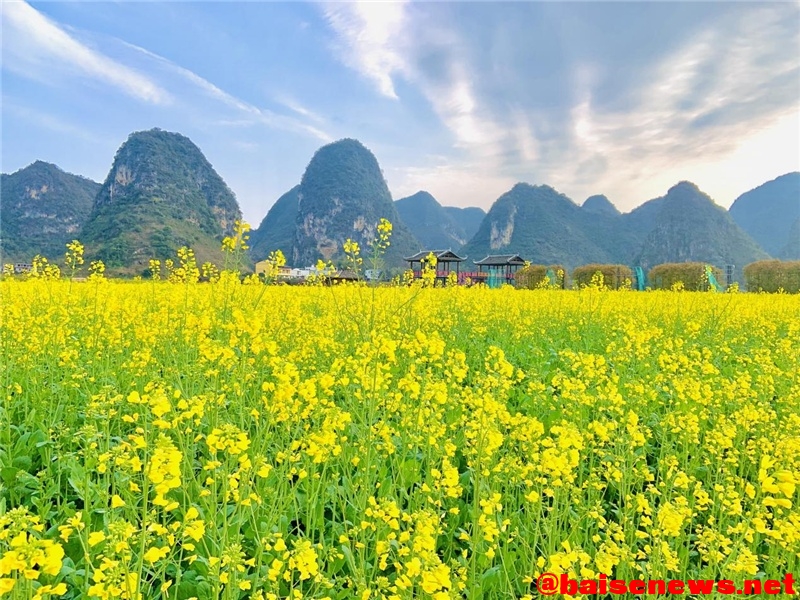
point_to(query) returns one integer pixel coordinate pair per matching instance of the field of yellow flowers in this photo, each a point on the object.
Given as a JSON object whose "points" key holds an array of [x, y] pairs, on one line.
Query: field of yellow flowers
{"points": [[219, 440]]}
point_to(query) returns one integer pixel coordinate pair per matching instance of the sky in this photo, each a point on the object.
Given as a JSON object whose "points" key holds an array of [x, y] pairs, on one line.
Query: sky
{"points": [[462, 99]]}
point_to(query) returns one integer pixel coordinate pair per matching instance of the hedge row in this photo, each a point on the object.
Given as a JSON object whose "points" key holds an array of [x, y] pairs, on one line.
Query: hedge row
{"points": [[535, 276], [773, 275], [692, 276], [614, 276], [762, 276]]}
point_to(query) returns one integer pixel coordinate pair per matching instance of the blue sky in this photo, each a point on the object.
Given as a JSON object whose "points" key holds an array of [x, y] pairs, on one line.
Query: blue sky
{"points": [[460, 99]]}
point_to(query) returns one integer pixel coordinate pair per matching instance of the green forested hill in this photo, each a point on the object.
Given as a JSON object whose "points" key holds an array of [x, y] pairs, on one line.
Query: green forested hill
{"points": [[541, 225], [277, 229], [468, 218], [769, 212], [343, 195], [41, 209], [160, 194], [689, 226], [430, 222]]}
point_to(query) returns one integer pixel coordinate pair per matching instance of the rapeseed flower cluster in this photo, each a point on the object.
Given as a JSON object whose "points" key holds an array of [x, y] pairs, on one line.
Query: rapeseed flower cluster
{"points": [[212, 439], [26, 557]]}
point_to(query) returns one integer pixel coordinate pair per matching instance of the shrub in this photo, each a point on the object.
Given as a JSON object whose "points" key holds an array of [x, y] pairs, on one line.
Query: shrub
{"points": [[690, 276], [532, 277], [614, 276], [772, 275]]}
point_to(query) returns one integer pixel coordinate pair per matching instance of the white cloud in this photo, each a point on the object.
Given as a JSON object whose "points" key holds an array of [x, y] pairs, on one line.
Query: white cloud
{"points": [[704, 103], [298, 108], [700, 105], [369, 35], [386, 40], [37, 47]]}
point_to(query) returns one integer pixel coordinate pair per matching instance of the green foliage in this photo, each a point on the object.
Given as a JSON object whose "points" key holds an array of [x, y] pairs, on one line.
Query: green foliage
{"points": [[689, 276], [614, 276], [41, 209], [533, 277], [772, 276]]}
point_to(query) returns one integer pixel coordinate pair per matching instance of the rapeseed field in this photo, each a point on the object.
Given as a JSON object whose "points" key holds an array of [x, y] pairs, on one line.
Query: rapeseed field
{"points": [[219, 440]]}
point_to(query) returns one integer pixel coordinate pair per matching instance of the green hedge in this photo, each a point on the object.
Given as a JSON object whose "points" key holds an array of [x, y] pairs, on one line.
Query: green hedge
{"points": [[691, 274], [772, 275], [535, 276], [614, 276]]}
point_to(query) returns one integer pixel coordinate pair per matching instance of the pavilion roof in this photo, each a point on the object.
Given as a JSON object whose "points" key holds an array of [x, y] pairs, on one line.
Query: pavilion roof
{"points": [[500, 260], [441, 256], [344, 275]]}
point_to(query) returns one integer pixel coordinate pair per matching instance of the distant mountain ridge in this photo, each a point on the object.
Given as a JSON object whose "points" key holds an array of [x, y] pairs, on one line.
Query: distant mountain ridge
{"points": [[600, 204], [546, 227], [468, 218], [42, 208], [691, 227], [160, 194], [434, 225], [541, 225], [770, 214]]}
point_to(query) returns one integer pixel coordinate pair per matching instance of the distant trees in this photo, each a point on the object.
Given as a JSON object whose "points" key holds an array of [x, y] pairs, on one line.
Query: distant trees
{"points": [[614, 276], [773, 276]]}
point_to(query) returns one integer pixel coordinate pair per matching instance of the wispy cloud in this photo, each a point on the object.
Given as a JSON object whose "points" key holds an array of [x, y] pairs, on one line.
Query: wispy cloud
{"points": [[45, 120], [35, 46], [250, 114], [386, 41], [368, 37], [728, 82], [298, 108]]}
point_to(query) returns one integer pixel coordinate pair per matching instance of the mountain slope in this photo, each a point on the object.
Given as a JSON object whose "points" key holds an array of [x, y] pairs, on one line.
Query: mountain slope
{"points": [[160, 194], [791, 251], [277, 229], [768, 212], [42, 208], [689, 226], [541, 225], [430, 223], [343, 195], [469, 219], [599, 204]]}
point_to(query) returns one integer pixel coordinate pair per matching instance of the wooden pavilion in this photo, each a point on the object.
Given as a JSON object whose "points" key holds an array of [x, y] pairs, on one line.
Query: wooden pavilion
{"points": [[497, 269], [447, 262]]}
